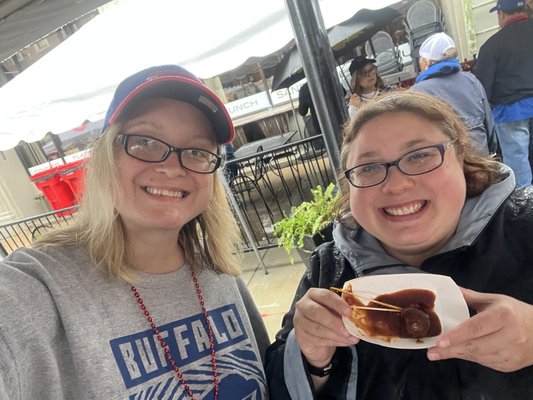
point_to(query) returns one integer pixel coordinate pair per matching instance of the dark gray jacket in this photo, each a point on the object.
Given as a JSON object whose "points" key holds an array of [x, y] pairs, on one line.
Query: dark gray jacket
{"points": [[491, 252], [505, 63]]}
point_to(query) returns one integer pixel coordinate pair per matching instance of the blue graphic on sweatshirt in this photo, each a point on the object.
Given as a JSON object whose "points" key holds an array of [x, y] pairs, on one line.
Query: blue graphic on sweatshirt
{"points": [[147, 374]]}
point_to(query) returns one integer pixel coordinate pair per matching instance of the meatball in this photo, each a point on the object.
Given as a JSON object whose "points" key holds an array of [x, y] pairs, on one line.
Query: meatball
{"points": [[415, 321]]}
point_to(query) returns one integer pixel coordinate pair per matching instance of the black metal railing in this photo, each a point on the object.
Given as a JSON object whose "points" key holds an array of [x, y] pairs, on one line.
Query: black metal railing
{"points": [[265, 186], [269, 183], [23, 232]]}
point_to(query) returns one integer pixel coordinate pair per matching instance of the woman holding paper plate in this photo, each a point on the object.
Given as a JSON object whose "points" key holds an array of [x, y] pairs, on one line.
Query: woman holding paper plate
{"points": [[416, 200]]}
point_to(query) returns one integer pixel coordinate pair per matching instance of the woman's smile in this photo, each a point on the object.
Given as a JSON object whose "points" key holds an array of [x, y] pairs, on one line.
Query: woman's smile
{"points": [[179, 194], [408, 209]]}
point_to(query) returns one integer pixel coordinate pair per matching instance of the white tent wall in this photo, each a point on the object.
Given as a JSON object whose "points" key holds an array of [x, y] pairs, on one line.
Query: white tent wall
{"points": [[18, 195], [75, 81]]}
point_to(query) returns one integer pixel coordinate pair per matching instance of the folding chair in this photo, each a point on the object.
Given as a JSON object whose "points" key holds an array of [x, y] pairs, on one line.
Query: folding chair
{"points": [[383, 49], [423, 20]]}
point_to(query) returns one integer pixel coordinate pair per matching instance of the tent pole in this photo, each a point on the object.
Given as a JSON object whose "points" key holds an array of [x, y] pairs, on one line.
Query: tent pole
{"points": [[242, 220], [344, 76], [294, 113], [265, 84]]}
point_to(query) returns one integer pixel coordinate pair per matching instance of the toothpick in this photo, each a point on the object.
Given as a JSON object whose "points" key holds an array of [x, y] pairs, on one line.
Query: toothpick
{"points": [[366, 298], [375, 309]]}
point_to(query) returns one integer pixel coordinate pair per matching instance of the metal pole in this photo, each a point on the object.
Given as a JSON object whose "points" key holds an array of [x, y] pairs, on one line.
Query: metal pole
{"points": [[319, 66], [242, 220], [265, 84]]}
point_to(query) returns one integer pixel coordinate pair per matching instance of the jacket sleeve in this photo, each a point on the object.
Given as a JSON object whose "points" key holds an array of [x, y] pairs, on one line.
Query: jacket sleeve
{"points": [[285, 370], [492, 139], [304, 100], [258, 325], [485, 69]]}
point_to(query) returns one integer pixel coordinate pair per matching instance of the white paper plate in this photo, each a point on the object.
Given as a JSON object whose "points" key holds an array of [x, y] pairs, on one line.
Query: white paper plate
{"points": [[450, 305]]}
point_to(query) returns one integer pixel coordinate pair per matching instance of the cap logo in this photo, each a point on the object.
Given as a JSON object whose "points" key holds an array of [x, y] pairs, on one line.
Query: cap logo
{"points": [[207, 102]]}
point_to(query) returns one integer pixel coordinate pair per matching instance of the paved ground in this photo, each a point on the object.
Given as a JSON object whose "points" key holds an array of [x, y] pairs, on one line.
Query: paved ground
{"points": [[272, 292]]}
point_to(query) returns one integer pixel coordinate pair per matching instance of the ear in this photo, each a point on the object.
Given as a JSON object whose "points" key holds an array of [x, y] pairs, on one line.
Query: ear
{"points": [[423, 63]]}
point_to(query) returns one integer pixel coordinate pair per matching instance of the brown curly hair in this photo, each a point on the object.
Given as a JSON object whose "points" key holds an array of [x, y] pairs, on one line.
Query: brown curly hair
{"points": [[479, 172]]}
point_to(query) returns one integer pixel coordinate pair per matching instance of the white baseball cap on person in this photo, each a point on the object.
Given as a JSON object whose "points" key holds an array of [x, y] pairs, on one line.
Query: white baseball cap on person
{"points": [[435, 47]]}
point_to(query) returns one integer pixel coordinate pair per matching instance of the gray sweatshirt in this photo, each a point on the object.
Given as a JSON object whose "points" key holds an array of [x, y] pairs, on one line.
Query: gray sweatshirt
{"points": [[68, 331]]}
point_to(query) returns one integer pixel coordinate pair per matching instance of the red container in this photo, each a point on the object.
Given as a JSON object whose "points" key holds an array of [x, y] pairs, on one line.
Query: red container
{"points": [[57, 192], [73, 175]]}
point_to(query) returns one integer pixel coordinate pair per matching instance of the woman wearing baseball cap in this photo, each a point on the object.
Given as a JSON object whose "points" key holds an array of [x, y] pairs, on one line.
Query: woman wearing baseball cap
{"points": [[366, 83], [139, 296]]}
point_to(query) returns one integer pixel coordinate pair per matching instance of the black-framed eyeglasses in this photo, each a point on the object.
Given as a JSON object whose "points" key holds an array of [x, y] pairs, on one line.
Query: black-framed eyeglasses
{"points": [[416, 162], [149, 149]]}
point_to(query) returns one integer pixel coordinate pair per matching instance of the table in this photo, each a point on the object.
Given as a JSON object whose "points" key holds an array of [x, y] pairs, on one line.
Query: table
{"points": [[265, 144]]}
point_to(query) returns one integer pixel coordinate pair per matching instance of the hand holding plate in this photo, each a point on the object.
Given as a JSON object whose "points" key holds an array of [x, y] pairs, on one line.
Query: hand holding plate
{"points": [[500, 336], [318, 325]]}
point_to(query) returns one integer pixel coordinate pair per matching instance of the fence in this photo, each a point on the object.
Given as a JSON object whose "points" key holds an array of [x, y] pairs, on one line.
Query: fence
{"points": [[23, 232], [265, 185]]}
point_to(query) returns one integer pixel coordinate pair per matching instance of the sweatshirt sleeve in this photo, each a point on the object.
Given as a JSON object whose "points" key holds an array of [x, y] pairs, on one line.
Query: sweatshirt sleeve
{"points": [[286, 375], [28, 324], [9, 376]]}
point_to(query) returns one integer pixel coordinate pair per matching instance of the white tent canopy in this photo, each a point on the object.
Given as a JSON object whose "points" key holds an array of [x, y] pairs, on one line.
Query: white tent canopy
{"points": [[76, 80]]}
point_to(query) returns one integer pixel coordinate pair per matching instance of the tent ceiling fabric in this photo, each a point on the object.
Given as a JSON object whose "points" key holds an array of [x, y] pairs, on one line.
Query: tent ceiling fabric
{"points": [[23, 22], [75, 81], [343, 38]]}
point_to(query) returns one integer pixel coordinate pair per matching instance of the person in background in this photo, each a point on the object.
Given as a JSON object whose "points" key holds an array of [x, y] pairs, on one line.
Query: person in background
{"points": [[366, 83], [504, 68], [230, 170], [416, 198], [442, 77], [139, 295], [252, 132]]}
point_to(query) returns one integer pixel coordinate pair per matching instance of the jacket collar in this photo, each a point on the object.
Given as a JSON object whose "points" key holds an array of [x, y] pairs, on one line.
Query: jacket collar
{"points": [[442, 68], [517, 18]]}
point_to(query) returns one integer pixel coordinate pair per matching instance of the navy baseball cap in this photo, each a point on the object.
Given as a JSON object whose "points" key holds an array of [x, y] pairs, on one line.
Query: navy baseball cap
{"points": [[508, 5], [359, 62], [174, 82]]}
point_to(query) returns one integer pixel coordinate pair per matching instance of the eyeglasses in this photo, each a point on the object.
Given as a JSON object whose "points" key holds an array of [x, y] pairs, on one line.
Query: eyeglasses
{"points": [[148, 149], [416, 162], [369, 72]]}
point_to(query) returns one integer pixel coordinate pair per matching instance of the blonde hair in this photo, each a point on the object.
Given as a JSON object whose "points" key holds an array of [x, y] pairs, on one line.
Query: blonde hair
{"points": [[210, 240], [479, 172]]}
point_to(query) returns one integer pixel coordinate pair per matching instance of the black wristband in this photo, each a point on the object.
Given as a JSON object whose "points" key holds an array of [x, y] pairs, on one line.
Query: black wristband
{"points": [[315, 371]]}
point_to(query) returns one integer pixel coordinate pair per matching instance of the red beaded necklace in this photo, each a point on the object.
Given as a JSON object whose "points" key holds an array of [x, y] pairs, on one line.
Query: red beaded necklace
{"points": [[165, 347]]}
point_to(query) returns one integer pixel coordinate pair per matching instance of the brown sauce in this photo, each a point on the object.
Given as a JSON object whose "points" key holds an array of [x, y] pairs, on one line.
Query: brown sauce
{"points": [[416, 320]]}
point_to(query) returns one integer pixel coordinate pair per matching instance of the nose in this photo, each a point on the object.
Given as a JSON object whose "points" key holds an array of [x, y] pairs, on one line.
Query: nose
{"points": [[171, 166], [397, 181]]}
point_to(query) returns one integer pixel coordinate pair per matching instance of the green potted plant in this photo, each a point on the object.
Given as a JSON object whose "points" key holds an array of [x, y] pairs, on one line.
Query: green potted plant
{"points": [[309, 223]]}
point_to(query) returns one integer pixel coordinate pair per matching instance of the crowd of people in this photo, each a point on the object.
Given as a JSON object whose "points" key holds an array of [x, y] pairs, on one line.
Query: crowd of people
{"points": [[140, 296]]}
